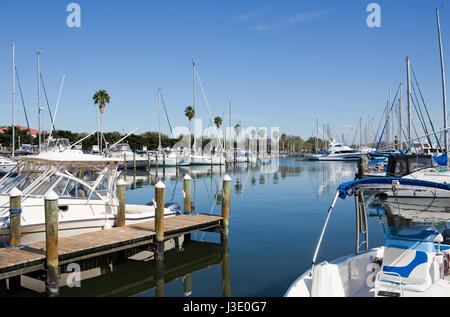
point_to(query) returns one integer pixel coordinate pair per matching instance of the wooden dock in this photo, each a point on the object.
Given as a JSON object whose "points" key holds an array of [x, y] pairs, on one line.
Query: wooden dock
{"points": [[50, 255], [18, 261]]}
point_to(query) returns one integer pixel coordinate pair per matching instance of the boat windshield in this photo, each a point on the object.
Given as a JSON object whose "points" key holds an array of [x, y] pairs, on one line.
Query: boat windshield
{"points": [[63, 142], [402, 165], [58, 144], [63, 185], [120, 147], [21, 182]]}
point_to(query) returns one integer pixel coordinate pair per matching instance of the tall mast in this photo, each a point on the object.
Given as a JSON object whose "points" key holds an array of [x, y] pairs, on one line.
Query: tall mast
{"points": [[38, 52], [13, 99], [444, 93], [228, 137], [193, 83], [360, 133], [400, 107], [389, 119], [408, 96], [317, 136], [159, 121], [386, 133]]}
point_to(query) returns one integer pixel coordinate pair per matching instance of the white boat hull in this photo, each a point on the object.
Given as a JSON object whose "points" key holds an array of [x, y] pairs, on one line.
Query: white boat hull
{"points": [[7, 167], [205, 160], [354, 276]]}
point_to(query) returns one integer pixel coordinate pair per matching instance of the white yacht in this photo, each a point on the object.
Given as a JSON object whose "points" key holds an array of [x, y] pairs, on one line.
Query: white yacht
{"points": [[6, 165], [123, 151], [216, 159], [170, 159], [413, 262], [85, 185], [337, 152]]}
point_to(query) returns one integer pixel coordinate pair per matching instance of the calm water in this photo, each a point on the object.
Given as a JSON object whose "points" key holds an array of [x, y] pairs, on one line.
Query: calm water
{"points": [[277, 213]]}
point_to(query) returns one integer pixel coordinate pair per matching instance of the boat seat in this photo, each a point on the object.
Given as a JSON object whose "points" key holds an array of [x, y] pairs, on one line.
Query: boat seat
{"points": [[408, 270], [407, 265]]}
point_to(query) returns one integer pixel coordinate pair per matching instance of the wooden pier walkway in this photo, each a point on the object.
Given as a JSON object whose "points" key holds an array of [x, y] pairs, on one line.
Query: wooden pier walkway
{"points": [[18, 261]]}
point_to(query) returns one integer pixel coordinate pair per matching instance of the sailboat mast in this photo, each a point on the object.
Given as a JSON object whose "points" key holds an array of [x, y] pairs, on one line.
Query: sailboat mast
{"points": [[444, 93], [193, 83], [408, 79], [159, 121], [13, 99], [400, 107], [38, 52], [317, 136], [231, 133]]}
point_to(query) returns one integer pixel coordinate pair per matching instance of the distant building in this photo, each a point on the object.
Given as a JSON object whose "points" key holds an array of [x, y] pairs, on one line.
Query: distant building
{"points": [[33, 132]]}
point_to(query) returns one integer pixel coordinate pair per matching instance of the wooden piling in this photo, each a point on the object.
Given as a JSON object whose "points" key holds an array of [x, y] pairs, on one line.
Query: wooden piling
{"points": [[120, 192], [361, 167], [187, 284], [51, 242], [226, 192], [15, 198], [187, 194], [134, 163], [226, 282], [159, 220], [159, 278]]}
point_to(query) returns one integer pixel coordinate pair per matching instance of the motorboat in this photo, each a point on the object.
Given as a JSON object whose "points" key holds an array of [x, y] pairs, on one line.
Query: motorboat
{"points": [[123, 152], [337, 152], [86, 189], [6, 165], [413, 262], [215, 159], [169, 159], [417, 166], [237, 157]]}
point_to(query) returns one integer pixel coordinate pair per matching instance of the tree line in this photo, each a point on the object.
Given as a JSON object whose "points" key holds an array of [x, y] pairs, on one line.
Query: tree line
{"points": [[287, 143]]}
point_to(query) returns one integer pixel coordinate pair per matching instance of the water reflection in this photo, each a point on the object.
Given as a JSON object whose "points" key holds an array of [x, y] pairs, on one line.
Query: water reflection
{"points": [[135, 272], [324, 176], [201, 266]]}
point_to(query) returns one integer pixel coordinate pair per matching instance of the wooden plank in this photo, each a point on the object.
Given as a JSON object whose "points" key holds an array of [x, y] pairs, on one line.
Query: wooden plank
{"points": [[16, 261]]}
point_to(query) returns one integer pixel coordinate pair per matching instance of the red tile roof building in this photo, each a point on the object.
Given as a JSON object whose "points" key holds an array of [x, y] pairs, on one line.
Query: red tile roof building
{"points": [[34, 132]]}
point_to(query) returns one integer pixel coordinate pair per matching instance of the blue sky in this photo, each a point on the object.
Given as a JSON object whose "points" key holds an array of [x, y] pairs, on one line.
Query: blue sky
{"points": [[281, 63]]}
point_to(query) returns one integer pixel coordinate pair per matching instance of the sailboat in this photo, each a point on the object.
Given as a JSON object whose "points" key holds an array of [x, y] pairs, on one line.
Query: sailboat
{"points": [[202, 159], [166, 156]]}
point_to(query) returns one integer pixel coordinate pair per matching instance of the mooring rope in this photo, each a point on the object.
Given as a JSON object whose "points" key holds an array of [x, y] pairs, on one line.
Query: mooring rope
{"points": [[13, 213]]}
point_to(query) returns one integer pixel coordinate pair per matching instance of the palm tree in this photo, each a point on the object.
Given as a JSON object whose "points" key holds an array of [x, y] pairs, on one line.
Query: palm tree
{"points": [[238, 129], [101, 97], [283, 139], [189, 112], [218, 123]]}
